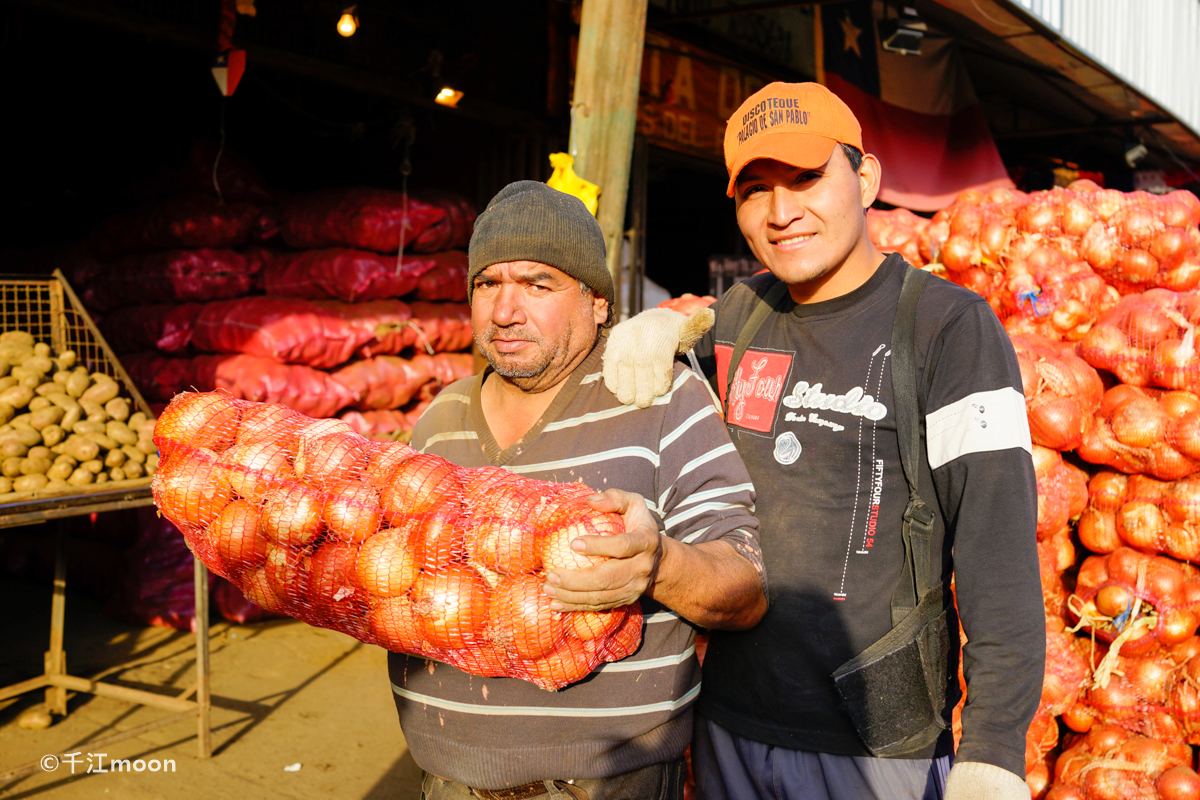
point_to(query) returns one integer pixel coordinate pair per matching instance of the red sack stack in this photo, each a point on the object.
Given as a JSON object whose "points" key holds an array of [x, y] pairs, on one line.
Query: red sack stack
{"points": [[897, 231], [174, 276], [166, 328], [1149, 340], [1145, 430], [1061, 391], [362, 218], [451, 232], [309, 519], [1110, 763], [1144, 513], [183, 221], [351, 276]]}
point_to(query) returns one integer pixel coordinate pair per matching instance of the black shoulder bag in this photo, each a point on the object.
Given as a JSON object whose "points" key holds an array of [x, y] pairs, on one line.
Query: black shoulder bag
{"points": [[895, 690]]}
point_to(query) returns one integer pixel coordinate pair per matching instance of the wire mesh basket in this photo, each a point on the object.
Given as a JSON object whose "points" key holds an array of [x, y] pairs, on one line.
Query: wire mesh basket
{"points": [[50, 311]]}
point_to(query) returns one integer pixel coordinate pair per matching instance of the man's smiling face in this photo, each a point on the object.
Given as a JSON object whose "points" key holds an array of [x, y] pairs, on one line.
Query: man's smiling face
{"points": [[804, 224]]}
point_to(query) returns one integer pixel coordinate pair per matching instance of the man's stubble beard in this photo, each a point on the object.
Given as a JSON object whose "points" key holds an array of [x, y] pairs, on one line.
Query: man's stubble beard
{"points": [[527, 377]]}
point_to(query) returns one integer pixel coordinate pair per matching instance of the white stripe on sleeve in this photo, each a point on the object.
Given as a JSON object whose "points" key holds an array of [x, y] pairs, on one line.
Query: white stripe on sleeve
{"points": [[982, 422]]}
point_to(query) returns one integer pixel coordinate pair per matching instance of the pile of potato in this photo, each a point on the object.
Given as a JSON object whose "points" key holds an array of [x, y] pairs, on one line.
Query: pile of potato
{"points": [[61, 426]]}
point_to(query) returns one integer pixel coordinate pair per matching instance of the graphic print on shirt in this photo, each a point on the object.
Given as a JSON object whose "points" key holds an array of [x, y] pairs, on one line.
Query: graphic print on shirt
{"points": [[757, 386]]}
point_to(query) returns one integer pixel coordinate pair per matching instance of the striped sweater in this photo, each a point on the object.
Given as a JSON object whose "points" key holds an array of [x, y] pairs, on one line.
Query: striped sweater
{"points": [[493, 733]]}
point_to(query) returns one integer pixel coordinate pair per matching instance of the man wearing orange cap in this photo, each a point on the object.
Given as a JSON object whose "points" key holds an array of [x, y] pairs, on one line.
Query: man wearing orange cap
{"points": [[811, 409]]}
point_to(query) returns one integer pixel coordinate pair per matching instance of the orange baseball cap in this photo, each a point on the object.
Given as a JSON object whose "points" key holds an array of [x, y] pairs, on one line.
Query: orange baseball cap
{"points": [[796, 123]]}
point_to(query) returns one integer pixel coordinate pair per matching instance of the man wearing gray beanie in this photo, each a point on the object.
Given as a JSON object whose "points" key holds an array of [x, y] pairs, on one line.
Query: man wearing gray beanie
{"points": [[541, 296]]}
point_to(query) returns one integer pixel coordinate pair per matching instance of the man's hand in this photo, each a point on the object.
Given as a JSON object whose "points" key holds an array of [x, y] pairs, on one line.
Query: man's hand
{"points": [[640, 355], [634, 557], [974, 780]]}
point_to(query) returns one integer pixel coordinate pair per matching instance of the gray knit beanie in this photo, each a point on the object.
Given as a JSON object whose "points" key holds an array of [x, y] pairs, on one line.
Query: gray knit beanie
{"points": [[529, 221]]}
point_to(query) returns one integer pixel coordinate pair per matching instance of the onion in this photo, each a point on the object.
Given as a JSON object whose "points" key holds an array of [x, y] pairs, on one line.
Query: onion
{"points": [[396, 626], [270, 422], [437, 540], [1079, 718], [253, 466], [1182, 278], [1038, 217], [588, 625], [1174, 364], [208, 420], [337, 456], [1169, 246], [452, 605], [384, 461], [1107, 490], [1178, 783], [1137, 267], [333, 587], [1137, 227], [1113, 600], [1147, 325], [1076, 217], [386, 564], [1104, 345], [1098, 531], [522, 621], [957, 253], [286, 571], [557, 552], [507, 546], [1139, 423], [419, 484], [1140, 524], [994, 238], [1058, 423], [1185, 434], [188, 488], [1182, 501], [1100, 247], [237, 537], [968, 219], [1179, 542], [292, 515], [353, 513]]}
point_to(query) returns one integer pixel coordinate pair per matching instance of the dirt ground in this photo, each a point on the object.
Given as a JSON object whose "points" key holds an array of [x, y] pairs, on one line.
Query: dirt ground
{"points": [[284, 694]]}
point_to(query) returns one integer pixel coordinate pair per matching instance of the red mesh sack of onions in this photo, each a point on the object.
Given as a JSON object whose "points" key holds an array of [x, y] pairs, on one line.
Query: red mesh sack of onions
{"points": [[1048, 293], [173, 276], [1150, 431], [1062, 490], [387, 382], [309, 519], [453, 230], [343, 274], [1041, 750], [1061, 391], [1056, 554], [897, 231], [1139, 241], [186, 220], [447, 281], [1110, 763], [166, 328], [1144, 513], [1137, 602], [1148, 340], [368, 219]]}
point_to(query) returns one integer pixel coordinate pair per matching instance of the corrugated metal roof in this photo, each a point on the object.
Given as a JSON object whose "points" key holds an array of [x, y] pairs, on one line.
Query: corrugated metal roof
{"points": [[1154, 45]]}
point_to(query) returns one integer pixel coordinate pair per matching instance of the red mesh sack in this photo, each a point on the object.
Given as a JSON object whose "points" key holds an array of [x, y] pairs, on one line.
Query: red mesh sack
{"points": [[1110, 763], [158, 377], [388, 382], [348, 275], [167, 328], [1150, 515], [187, 220], [384, 424], [236, 176], [452, 231], [1068, 669], [1041, 749], [285, 329], [392, 547], [158, 584], [897, 231], [435, 327], [1061, 488], [298, 387], [446, 282], [1049, 293], [1061, 391], [1140, 241], [176, 276], [367, 219], [1148, 340], [233, 605], [1148, 431], [687, 303], [1137, 602], [1056, 555]]}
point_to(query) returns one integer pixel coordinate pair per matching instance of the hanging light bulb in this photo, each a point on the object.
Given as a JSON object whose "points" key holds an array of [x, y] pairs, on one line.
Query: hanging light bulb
{"points": [[448, 96], [348, 24]]}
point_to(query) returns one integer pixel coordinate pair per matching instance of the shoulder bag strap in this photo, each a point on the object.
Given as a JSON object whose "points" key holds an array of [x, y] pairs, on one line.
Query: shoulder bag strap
{"points": [[766, 304], [914, 581]]}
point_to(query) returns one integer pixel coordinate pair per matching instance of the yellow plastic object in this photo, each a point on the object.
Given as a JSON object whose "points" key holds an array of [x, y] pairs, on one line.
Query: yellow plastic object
{"points": [[565, 180]]}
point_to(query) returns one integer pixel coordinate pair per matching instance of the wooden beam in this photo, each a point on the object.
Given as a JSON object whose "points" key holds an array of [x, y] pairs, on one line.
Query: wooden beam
{"points": [[731, 10], [604, 110]]}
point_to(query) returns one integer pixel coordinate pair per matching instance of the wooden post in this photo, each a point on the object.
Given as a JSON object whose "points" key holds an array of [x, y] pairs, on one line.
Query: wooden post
{"points": [[604, 110]]}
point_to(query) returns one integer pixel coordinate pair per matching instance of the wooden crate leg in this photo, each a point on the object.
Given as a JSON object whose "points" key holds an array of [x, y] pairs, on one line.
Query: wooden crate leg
{"points": [[56, 658], [203, 702]]}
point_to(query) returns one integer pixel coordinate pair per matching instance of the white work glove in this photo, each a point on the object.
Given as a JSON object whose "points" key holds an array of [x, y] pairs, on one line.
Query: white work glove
{"points": [[639, 359], [975, 780]]}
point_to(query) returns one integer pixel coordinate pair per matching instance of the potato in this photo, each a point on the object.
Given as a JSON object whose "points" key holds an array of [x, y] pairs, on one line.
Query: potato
{"points": [[134, 454], [34, 466], [38, 403], [53, 434], [10, 449], [41, 364], [77, 384], [60, 471], [151, 464], [21, 421], [92, 408], [70, 418], [102, 391], [41, 350], [81, 477], [103, 440], [39, 452], [49, 387], [115, 458], [135, 420], [26, 436], [46, 416], [61, 377], [80, 449], [147, 446], [94, 466], [5, 485], [30, 483], [17, 337], [66, 459], [66, 359], [7, 383], [117, 408], [117, 474], [31, 382], [55, 483], [17, 396], [133, 470], [102, 477], [145, 429], [86, 426], [6, 412], [11, 467], [4, 368], [119, 432]]}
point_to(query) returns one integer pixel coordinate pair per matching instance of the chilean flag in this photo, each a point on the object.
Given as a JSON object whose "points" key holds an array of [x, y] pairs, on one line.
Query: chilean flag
{"points": [[919, 114]]}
